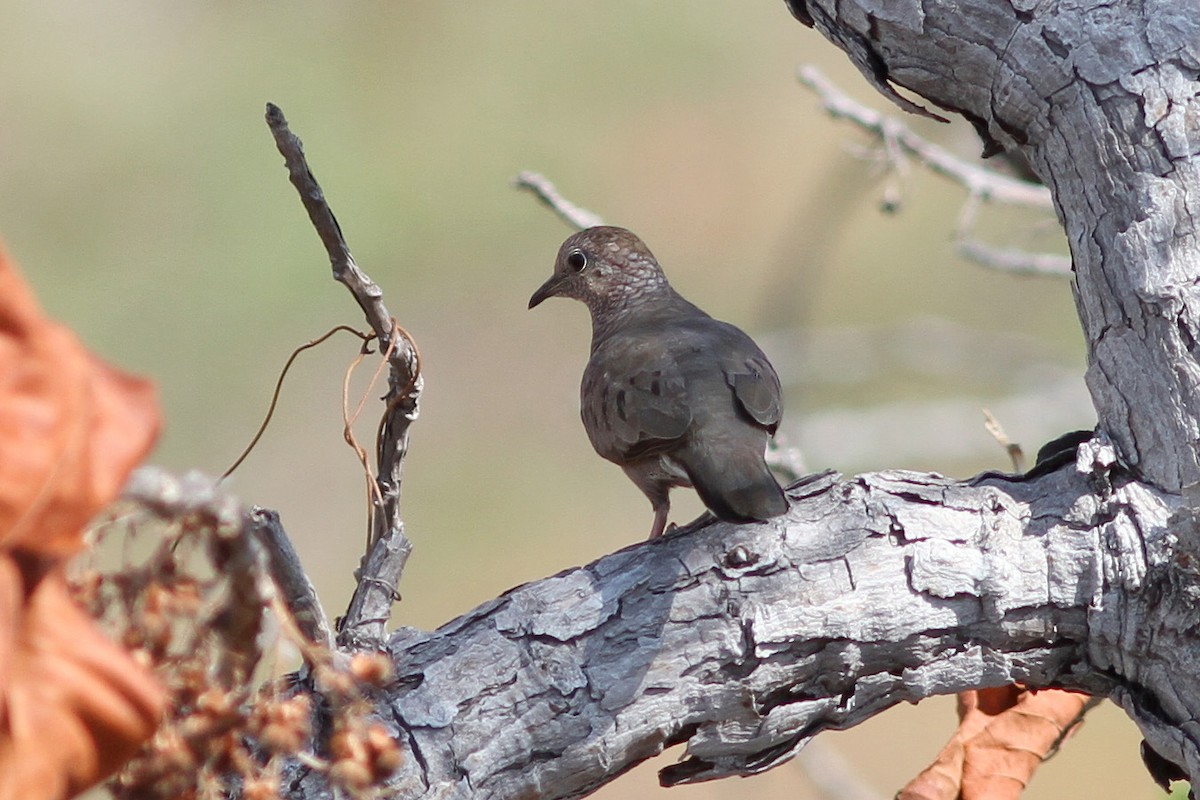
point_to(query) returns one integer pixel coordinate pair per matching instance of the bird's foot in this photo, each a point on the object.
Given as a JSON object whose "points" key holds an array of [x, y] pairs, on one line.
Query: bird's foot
{"points": [[660, 532]]}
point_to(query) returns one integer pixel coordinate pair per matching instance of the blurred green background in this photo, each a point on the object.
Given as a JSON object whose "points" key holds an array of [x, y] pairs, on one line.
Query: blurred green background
{"points": [[145, 200]]}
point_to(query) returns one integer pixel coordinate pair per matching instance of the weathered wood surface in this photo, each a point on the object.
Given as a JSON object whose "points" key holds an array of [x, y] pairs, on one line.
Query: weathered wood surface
{"points": [[744, 642]]}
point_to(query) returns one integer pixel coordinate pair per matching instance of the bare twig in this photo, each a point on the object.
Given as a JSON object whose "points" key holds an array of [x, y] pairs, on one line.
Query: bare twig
{"points": [[977, 180], [193, 494], [294, 586], [982, 185], [1014, 451], [1021, 262], [371, 605], [544, 190]]}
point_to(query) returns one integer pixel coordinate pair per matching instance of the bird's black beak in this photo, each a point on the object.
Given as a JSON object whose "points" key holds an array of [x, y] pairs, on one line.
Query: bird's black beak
{"points": [[547, 289]]}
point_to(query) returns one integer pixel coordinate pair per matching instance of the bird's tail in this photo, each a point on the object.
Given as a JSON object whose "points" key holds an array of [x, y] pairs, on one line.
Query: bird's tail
{"points": [[738, 487]]}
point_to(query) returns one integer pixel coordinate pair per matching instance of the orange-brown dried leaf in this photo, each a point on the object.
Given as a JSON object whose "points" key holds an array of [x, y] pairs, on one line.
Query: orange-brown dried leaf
{"points": [[71, 427], [76, 707], [73, 706], [1003, 735]]}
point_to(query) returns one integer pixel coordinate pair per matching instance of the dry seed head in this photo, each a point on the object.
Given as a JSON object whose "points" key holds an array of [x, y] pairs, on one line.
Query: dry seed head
{"points": [[375, 669]]}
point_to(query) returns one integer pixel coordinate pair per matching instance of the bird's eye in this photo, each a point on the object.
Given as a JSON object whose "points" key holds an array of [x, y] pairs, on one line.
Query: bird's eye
{"points": [[576, 260]]}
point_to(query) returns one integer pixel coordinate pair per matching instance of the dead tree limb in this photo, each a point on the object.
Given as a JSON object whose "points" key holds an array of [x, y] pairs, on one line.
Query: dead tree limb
{"points": [[387, 546], [745, 642]]}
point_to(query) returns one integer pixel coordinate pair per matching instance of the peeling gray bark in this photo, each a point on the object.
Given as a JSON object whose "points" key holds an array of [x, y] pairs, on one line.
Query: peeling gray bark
{"points": [[746, 641]]}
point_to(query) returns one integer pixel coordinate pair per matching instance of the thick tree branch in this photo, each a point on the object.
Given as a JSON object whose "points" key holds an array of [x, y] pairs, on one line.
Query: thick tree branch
{"points": [[1100, 99], [745, 642]]}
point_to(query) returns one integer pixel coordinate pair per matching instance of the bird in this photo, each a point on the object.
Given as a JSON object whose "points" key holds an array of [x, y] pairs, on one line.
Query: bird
{"points": [[671, 395]]}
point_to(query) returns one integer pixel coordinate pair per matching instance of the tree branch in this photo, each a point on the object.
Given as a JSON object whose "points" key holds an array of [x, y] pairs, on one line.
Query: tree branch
{"points": [[388, 547], [977, 180], [289, 575], [575, 216], [1101, 107], [744, 642], [983, 185]]}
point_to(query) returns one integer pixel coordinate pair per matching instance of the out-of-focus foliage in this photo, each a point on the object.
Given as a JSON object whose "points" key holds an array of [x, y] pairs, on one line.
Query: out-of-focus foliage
{"points": [[192, 593], [73, 705]]}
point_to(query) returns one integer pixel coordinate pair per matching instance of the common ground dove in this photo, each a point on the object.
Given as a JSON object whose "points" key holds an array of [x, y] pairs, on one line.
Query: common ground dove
{"points": [[671, 395]]}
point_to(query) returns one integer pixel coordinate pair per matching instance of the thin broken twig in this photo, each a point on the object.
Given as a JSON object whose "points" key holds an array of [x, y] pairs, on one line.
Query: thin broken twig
{"points": [[544, 190]]}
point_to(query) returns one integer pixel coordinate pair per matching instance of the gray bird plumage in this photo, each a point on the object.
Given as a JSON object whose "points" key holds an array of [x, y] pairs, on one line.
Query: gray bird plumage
{"points": [[671, 395]]}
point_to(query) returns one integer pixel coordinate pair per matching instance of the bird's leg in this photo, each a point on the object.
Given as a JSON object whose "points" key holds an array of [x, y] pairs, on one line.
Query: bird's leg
{"points": [[660, 520]]}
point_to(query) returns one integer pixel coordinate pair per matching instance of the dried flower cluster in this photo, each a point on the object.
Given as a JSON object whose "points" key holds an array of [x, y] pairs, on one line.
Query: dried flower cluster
{"points": [[191, 599]]}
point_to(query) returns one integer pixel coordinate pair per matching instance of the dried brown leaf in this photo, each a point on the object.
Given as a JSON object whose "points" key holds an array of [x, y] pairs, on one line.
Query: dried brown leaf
{"points": [[73, 706], [1003, 735]]}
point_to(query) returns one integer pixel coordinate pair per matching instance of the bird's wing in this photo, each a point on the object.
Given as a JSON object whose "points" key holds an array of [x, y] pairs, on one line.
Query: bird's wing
{"points": [[633, 400], [753, 380]]}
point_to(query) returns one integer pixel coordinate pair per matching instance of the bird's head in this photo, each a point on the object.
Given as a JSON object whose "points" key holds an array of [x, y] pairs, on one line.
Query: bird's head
{"points": [[604, 267]]}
